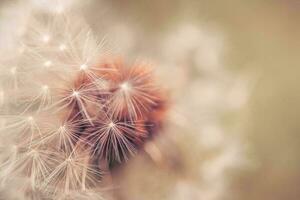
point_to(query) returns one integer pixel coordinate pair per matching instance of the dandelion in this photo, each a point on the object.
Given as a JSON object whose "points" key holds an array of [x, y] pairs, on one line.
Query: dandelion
{"points": [[115, 139], [134, 92], [75, 107], [71, 173]]}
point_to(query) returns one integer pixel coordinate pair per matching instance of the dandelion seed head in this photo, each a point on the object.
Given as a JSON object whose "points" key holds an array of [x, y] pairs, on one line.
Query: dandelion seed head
{"points": [[102, 113]]}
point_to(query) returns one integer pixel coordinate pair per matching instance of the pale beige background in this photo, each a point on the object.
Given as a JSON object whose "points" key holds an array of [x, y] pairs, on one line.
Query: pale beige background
{"points": [[200, 43]]}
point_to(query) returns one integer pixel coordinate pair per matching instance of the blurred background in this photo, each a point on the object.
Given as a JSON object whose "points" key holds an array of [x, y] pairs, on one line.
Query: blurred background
{"points": [[232, 72]]}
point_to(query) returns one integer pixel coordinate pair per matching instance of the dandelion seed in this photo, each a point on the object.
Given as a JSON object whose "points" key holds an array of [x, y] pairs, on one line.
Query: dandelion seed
{"points": [[135, 94], [30, 119], [114, 139], [125, 86], [111, 125], [62, 47], [83, 67], [93, 112], [33, 163], [46, 38], [65, 136], [75, 94], [72, 173], [48, 63]]}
